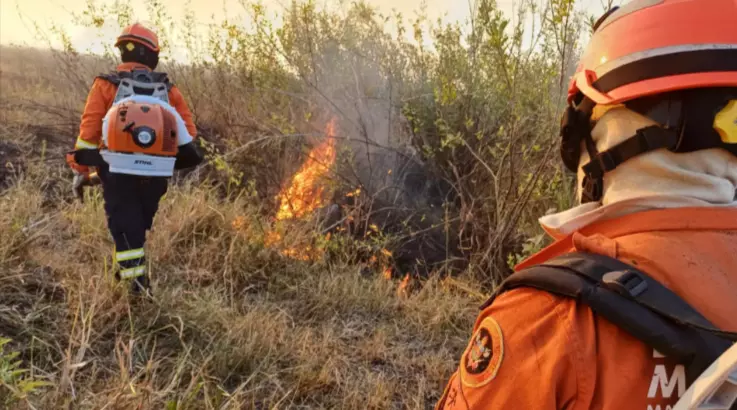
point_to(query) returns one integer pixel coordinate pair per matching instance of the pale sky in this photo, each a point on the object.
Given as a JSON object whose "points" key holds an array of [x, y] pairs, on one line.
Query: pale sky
{"points": [[17, 17]]}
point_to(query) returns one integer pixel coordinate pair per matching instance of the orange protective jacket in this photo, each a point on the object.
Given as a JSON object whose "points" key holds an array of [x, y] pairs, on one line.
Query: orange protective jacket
{"points": [[99, 101], [551, 352]]}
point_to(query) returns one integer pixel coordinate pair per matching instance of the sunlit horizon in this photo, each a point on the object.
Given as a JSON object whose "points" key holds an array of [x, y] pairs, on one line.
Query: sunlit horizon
{"points": [[19, 19]]}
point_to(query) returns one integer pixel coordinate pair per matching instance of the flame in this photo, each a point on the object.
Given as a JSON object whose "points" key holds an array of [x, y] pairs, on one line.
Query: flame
{"points": [[239, 223], [305, 254], [305, 194], [272, 239], [403, 288]]}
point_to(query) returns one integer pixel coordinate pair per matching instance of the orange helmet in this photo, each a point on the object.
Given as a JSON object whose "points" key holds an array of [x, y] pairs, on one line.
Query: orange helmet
{"points": [[140, 128], [683, 52], [653, 46], [137, 33]]}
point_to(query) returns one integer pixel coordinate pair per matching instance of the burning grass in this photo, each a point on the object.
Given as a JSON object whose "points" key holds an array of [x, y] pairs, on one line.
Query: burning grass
{"points": [[306, 192], [234, 323]]}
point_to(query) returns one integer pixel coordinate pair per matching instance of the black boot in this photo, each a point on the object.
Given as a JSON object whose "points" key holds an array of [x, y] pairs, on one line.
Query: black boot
{"points": [[141, 286]]}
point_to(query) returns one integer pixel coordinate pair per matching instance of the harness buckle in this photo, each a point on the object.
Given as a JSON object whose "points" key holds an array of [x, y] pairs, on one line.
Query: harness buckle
{"points": [[593, 188], [655, 137], [606, 161], [625, 282]]}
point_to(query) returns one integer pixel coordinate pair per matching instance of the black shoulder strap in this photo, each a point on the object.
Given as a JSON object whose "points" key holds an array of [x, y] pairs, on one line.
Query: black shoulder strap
{"points": [[645, 140], [156, 76], [631, 300], [160, 77], [113, 78]]}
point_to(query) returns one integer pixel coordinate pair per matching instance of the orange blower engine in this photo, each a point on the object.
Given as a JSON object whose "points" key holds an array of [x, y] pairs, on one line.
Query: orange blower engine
{"points": [[140, 139]]}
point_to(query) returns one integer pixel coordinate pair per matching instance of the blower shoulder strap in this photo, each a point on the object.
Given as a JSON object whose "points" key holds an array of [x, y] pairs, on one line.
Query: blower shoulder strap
{"points": [[112, 77], [115, 77], [632, 300]]}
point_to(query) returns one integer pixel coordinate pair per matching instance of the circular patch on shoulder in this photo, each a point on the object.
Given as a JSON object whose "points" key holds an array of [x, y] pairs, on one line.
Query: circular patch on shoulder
{"points": [[130, 46], [484, 354]]}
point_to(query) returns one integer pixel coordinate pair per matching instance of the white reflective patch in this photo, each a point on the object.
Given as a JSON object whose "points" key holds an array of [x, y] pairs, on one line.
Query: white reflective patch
{"points": [[82, 144], [128, 255], [133, 272]]}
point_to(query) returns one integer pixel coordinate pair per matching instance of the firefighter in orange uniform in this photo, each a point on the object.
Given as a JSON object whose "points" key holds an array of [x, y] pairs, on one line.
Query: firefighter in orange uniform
{"points": [[651, 131], [136, 125]]}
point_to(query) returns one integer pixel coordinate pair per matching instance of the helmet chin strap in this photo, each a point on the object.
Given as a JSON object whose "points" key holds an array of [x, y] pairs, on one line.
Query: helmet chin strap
{"points": [[645, 140], [576, 128]]}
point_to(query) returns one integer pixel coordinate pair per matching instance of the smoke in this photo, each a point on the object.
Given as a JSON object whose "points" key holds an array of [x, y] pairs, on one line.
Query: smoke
{"points": [[365, 97], [406, 195]]}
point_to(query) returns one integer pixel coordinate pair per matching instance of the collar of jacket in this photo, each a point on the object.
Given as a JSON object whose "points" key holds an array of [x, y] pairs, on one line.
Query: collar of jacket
{"points": [[675, 219]]}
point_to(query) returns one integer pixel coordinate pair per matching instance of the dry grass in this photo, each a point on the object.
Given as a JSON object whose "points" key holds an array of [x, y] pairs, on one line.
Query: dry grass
{"points": [[233, 324]]}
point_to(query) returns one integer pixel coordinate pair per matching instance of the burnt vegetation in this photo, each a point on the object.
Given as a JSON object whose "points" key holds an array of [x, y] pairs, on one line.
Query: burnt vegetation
{"points": [[442, 154]]}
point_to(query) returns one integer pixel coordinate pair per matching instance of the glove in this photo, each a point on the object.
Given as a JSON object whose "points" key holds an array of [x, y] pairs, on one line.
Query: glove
{"points": [[82, 180], [82, 169]]}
